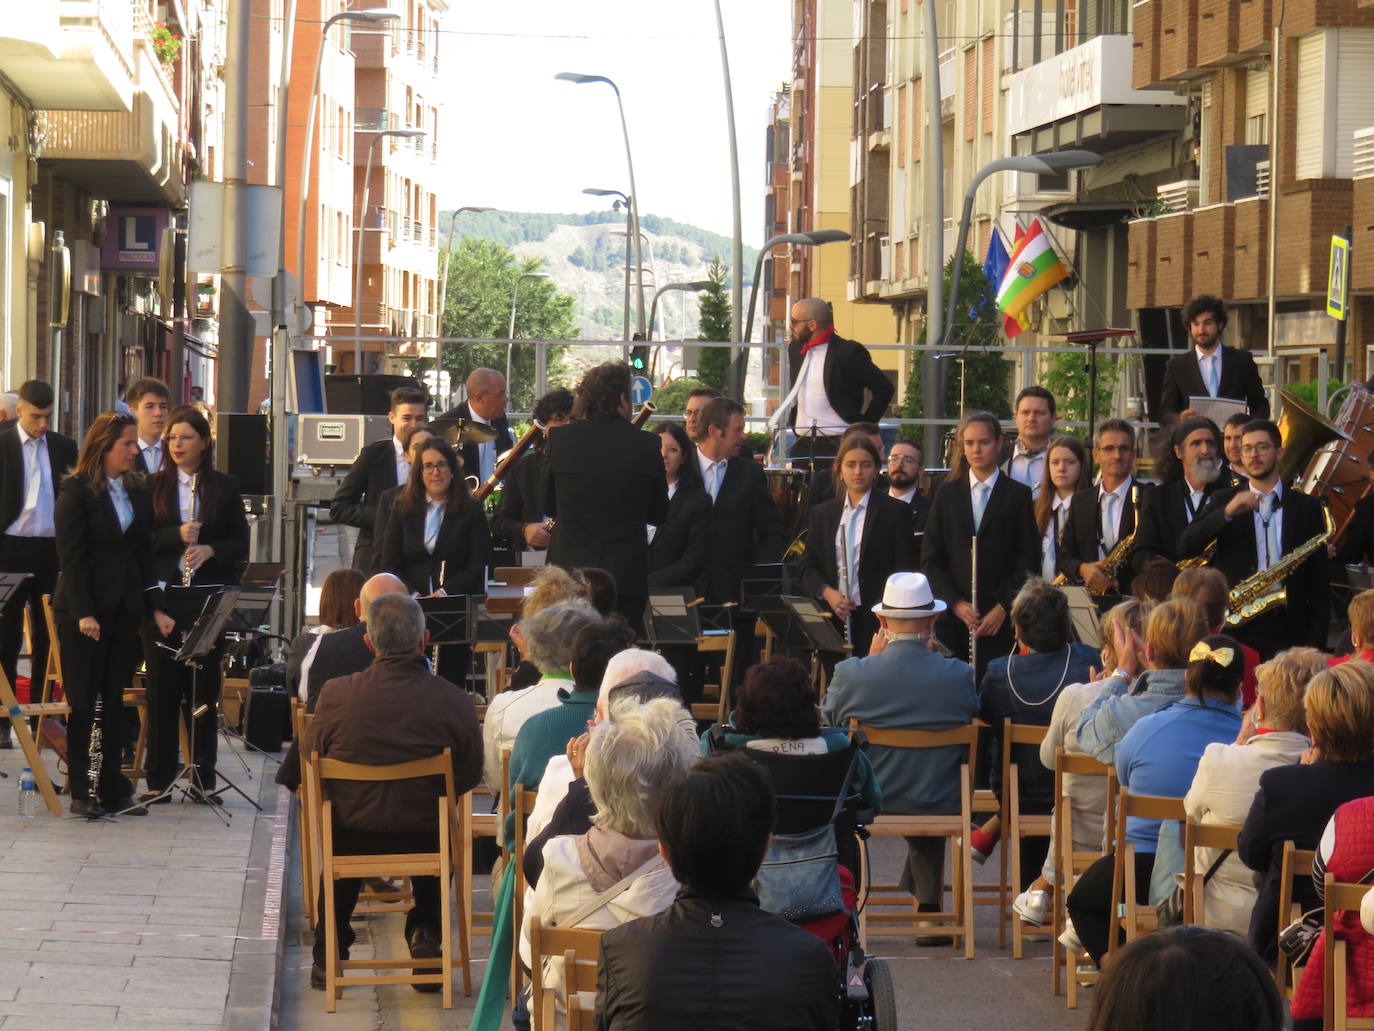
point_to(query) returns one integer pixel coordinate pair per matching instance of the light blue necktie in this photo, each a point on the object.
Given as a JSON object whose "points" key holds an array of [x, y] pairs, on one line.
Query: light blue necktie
{"points": [[1109, 522], [432, 523], [1271, 543], [123, 511], [1213, 378], [980, 505], [851, 544], [717, 474]]}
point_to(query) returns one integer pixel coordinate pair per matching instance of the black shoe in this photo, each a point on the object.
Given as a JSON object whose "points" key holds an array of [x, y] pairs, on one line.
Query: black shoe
{"points": [[201, 798], [154, 798], [126, 806], [317, 979], [424, 944], [85, 807]]}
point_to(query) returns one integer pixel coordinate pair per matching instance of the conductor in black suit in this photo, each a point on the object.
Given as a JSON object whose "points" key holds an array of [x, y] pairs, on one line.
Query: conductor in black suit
{"points": [[677, 549], [833, 382], [33, 462], [486, 403], [1210, 368], [518, 522], [603, 484], [1190, 472], [200, 543], [381, 465], [867, 529], [1255, 527], [976, 497], [1103, 515]]}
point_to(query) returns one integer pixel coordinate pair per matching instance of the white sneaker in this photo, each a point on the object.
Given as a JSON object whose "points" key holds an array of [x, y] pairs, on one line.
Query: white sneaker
{"points": [[1069, 939], [1032, 906]]}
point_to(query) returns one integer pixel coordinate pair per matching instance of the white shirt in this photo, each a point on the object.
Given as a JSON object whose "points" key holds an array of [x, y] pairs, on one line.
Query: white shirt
{"points": [[1195, 497], [1028, 469], [185, 501], [1049, 544], [712, 473], [402, 462], [906, 497], [36, 521], [1123, 496], [1266, 556], [813, 406], [856, 545], [1202, 359], [973, 481], [152, 454], [486, 452]]}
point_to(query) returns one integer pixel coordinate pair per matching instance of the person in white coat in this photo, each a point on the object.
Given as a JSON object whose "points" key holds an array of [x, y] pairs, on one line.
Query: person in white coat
{"points": [[1274, 733]]}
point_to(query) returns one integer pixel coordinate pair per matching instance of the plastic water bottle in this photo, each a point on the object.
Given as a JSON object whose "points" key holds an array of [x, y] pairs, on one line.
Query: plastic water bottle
{"points": [[28, 795]]}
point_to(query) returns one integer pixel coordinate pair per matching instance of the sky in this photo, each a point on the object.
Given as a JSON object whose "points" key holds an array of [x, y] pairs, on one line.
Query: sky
{"points": [[520, 140]]}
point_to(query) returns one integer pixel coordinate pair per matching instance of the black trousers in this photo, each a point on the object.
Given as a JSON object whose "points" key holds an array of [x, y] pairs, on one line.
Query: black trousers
{"points": [[1090, 903], [176, 690], [38, 557], [349, 842], [101, 670]]}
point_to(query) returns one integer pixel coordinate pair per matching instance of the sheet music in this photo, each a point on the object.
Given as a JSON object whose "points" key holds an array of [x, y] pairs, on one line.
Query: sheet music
{"points": [[1218, 409]]}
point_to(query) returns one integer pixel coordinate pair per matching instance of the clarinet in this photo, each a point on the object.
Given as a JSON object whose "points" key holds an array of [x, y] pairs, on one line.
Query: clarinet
{"points": [[97, 746], [973, 600], [187, 573], [843, 577]]}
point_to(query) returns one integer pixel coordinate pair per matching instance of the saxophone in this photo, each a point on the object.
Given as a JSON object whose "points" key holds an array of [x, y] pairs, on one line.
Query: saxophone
{"points": [[1256, 595], [1198, 560], [1115, 558]]}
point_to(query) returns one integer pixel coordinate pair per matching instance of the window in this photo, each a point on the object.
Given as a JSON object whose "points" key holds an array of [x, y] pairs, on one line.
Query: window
{"points": [[1257, 106]]}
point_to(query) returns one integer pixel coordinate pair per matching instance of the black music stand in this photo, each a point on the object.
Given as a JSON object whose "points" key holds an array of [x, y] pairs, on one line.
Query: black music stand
{"points": [[447, 618], [1084, 617], [263, 575], [673, 617], [801, 624]]}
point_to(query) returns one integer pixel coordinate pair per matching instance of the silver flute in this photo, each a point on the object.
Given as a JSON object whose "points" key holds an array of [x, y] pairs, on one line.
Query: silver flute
{"points": [[843, 571], [187, 573], [973, 600]]}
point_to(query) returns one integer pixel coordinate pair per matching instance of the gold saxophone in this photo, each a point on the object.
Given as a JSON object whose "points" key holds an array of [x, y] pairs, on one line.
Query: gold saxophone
{"points": [[1256, 595], [1116, 558], [1198, 560]]}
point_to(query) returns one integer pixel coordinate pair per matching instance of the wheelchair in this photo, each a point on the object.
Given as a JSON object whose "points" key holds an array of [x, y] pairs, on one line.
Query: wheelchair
{"points": [[816, 794]]}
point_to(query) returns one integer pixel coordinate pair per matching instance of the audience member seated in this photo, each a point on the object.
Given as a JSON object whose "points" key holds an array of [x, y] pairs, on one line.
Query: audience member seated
{"points": [[1186, 979], [903, 685], [613, 873], [393, 712], [1208, 587], [1294, 803], [1023, 688], [601, 589], [550, 585], [1346, 851], [1361, 615], [547, 638], [1273, 734], [1171, 631], [1159, 756], [1156, 581], [338, 611], [714, 959]]}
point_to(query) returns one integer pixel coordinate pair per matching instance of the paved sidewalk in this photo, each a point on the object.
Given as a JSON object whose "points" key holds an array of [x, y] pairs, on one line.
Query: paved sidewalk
{"points": [[170, 919]]}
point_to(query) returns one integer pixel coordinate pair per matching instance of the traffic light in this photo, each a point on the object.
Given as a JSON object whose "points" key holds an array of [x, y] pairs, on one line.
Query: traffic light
{"points": [[639, 360]]}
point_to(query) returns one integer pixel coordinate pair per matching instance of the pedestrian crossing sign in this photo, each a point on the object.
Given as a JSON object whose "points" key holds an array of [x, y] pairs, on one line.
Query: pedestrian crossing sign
{"points": [[1338, 278]]}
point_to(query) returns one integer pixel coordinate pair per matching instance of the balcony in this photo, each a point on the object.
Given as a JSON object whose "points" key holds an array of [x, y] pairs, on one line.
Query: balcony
{"points": [[70, 54]]}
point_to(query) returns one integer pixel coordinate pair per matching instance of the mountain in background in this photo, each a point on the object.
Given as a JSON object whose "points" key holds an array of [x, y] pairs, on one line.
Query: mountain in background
{"points": [[584, 258]]}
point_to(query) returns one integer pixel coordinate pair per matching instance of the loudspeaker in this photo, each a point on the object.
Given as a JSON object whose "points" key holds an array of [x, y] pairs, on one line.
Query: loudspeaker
{"points": [[269, 712], [364, 395], [241, 450]]}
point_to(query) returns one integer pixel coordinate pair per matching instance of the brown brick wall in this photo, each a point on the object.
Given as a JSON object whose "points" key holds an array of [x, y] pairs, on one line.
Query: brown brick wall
{"points": [[1214, 235], [1218, 30], [970, 92], [989, 75], [1255, 24], [1140, 263], [1309, 212], [1145, 64], [1251, 248], [1173, 258], [1362, 218], [1178, 38]]}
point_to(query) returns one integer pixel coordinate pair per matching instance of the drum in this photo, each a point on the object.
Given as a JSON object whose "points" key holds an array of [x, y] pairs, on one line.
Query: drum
{"points": [[1338, 472], [791, 494]]}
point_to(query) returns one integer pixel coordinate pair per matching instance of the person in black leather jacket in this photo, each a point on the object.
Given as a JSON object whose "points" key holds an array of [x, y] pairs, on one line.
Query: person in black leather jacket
{"points": [[714, 959]]}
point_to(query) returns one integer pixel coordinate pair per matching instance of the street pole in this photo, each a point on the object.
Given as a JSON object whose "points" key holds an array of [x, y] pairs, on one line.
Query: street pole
{"points": [[443, 282], [510, 334], [933, 162], [737, 244], [234, 367]]}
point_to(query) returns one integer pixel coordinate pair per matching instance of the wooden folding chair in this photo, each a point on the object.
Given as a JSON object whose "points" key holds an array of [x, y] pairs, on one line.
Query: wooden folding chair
{"points": [[1337, 897], [958, 921], [983, 806], [1070, 862], [1016, 826], [480, 825], [416, 864], [522, 803], [1128, 914], [52, 669], [720, 642], [1198, 836], [307, 833], [579, 950], [1296, 863], [19, 721]]}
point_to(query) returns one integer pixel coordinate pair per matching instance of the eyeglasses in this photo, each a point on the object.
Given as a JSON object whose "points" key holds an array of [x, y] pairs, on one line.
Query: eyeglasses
{"points": [[1115, 449], [902, 460], [434, 467], [1256, 449]]}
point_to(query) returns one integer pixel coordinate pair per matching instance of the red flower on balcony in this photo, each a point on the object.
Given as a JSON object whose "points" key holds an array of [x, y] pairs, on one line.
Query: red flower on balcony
{"points": [[166, 44]]}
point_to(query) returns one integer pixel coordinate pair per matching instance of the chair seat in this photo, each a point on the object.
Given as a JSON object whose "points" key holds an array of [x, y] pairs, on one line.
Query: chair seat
{"points": [[411, 864]]}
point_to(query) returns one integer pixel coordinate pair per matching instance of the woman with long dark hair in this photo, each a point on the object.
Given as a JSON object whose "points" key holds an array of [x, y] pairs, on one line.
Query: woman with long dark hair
{"points": [[677, 549], [200, 542], [104, 544], [1066, 472]]}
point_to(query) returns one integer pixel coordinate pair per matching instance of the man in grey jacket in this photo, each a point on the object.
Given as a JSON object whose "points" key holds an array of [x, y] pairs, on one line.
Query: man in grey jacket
{"points": [[903, 685]]}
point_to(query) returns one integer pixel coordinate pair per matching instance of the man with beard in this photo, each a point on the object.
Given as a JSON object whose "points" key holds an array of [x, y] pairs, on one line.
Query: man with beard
{"points": [[905, 467], [1190, 470], [1254, 527], [1104, 514], [1233, 469], [1209, 368], [834, 382]]}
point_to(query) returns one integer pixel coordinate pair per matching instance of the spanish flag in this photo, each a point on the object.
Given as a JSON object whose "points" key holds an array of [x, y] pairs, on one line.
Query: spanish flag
{"points": [[1034, 268]]}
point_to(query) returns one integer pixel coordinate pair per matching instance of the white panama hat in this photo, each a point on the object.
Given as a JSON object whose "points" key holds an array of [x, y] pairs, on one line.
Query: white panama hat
{"points": [[908, 596]]}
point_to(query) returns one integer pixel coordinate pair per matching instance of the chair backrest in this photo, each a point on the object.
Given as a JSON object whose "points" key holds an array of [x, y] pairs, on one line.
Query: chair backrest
{"points": [[965, 736], [1017, 734], [322, 770], [1296, 863], [1145, 807], [580, 951], [53, 672], [1196, 836]]}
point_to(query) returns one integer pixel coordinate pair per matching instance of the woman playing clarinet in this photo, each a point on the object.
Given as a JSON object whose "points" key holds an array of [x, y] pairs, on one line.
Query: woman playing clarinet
{"points": [[103, 520]]}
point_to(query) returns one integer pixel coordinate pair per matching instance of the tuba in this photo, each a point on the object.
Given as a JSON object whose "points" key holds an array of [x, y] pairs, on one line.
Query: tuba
{"points": [[1304, 431]]}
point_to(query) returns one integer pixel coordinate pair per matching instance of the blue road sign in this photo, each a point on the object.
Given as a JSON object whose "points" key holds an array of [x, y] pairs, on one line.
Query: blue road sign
{"points": [[641, 390]]}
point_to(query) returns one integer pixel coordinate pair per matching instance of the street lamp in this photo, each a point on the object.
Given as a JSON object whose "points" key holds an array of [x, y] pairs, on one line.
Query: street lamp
{"points": [[629, 215], [406, 134], [448, 246], [696, 286], [580, 78], [1041, 164], [510, 333], [813, 239], [374, 16]]}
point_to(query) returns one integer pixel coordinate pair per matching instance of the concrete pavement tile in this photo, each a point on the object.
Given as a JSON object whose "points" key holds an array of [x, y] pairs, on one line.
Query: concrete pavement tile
{"points": [[57, 1016], [137, 1016], [185, 948], [92, 952]]}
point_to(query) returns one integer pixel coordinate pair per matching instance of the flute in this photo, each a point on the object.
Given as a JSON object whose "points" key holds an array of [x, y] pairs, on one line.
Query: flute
{"points": [[843, 577], [187, 573], [973, 600]]}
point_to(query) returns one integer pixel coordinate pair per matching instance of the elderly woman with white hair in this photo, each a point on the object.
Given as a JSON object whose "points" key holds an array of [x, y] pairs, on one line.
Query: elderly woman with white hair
{"points": [[613, 873]]}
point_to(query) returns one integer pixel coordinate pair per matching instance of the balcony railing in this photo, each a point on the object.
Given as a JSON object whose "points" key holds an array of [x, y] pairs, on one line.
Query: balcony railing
{"points": [[1362, 164], [375, 119]]}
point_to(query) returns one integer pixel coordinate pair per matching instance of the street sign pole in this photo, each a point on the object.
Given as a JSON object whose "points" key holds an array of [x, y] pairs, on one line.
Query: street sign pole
{"points": [[1338, 294]]}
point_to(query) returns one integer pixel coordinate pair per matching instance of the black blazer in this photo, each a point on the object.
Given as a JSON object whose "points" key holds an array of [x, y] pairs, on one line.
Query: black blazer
{"points": [[744, 529], [61, 456], [887, 547], [1240, 379], [1008, 546], [519, 504], [225, 529], [677, 554], [1358, 544], [468, 452], [1303, 619], [106, 571], [1081, 536], [603, 482], [1163, 518], [355, 502], [849, 375], [463, 550], [920, 509], [386, 507]]}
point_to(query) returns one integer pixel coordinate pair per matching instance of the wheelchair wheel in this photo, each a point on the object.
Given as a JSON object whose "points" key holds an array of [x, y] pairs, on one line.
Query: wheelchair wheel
{"points": [[882, 1000]]}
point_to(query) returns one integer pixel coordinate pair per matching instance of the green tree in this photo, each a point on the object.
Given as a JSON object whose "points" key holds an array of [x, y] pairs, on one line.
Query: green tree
{"points": [[481, 284], [713, 364], [985, 373], [1066, 377], [671, 398]]}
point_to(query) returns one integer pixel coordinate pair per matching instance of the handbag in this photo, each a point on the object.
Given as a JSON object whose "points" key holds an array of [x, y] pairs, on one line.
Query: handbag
{"points": [[799, 879], [1169, 910], [1299, 938]]}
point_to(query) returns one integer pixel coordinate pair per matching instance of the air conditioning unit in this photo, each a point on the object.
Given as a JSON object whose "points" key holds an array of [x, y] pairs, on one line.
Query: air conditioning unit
{"points": [[1179, 196]]}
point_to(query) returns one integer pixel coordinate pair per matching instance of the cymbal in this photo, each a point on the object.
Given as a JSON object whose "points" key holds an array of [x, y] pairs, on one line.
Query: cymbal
{"points": [[464, 431]]}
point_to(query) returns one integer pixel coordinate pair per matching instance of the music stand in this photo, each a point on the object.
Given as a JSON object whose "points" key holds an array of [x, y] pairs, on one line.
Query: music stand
{"points": [[1084, 616], [1093, 338], [447, 618], [263, 574], [673, 618]]}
